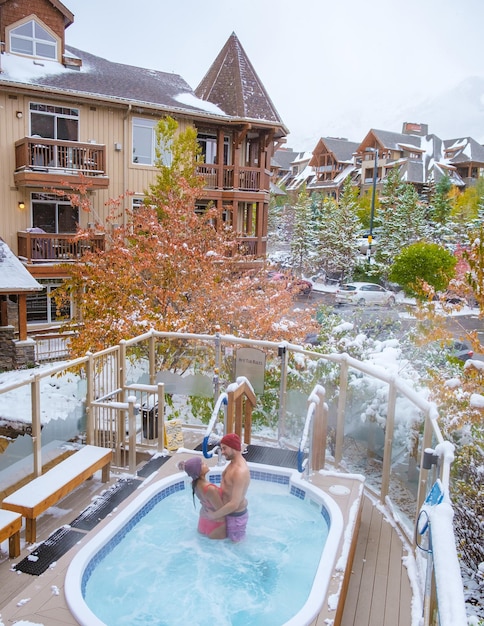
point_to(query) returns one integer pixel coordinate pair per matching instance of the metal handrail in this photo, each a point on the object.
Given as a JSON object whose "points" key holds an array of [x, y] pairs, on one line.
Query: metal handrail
{"points": [[221, 400], [444, 450], [301, 463]]}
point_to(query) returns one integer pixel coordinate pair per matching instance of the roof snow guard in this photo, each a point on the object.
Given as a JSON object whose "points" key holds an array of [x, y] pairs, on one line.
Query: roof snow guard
{"points": [[232, 84]]}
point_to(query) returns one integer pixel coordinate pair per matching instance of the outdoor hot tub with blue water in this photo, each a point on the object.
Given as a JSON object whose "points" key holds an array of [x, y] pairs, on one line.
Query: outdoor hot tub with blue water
{"points": [[150, 567]]}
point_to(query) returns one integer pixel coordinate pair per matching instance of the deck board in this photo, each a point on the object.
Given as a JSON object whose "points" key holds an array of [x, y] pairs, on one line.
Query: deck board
{"points": [[379, 592]]}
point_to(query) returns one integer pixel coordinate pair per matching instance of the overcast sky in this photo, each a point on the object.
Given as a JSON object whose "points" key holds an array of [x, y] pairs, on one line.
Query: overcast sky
{"points": [[330, 68]]}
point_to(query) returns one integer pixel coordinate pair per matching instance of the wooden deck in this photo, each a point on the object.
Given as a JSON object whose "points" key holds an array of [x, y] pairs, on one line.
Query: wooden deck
{"points": [[378, 593]]}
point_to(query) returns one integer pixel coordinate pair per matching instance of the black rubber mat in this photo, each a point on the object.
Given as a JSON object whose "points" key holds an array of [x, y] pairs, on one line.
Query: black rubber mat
{"points": [[269, 456], [104, 504], [152, 466], [40, 559]]}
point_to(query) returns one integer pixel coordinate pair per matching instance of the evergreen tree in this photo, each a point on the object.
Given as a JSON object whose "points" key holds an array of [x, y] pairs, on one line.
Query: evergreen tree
{"points": [[337, 232], [440, 204], [402, 220], [302, 242]]}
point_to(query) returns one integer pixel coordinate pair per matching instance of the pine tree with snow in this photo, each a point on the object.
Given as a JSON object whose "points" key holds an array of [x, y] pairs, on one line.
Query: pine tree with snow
{"points": [[402, 220], [302, 241], [440, 204], [338, 226]]}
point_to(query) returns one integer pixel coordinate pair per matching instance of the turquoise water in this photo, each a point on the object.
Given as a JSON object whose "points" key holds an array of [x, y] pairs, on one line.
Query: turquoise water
{"points": [[163, 573]]}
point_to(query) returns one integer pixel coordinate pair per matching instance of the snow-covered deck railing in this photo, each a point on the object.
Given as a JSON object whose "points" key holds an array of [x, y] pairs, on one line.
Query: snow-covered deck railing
{"points": [[105, 375]]}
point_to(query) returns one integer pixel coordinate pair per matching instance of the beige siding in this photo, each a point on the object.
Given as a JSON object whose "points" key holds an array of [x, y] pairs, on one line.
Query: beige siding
{"points": [[99, 123]]}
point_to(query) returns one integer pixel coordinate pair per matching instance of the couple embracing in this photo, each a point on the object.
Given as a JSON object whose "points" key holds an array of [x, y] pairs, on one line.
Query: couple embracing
{"points": [[223, 510]]}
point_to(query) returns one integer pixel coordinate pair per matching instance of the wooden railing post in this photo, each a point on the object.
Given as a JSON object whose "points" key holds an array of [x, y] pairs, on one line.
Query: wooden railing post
{"points": [[161, 417], [284, 356], [36, 425], [131, 434], [89, 399], [152, 353], [320, 432]]}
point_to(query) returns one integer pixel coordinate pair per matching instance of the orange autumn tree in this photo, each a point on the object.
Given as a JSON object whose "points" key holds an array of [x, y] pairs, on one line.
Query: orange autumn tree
{"points": [[171, 269]]}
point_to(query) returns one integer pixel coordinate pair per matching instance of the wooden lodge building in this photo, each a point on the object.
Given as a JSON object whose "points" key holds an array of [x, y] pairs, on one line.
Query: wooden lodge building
{"points": [[421, 158], [68, 117]]}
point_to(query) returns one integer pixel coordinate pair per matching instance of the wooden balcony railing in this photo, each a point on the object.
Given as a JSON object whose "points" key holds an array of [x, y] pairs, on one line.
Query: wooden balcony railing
{"points": [[243, 178], [55, 248], [47, 161], [251, 246]]}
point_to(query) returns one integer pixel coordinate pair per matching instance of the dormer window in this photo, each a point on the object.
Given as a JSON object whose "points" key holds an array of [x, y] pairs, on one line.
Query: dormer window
{"points": [[34, 40]]}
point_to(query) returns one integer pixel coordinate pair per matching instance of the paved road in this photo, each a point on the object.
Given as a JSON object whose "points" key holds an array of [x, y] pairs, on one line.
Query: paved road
{"points": [[457, 324]]}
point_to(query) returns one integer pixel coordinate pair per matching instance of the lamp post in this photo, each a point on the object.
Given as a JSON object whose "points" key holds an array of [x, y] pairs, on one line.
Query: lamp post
{"points": [[373, 195]]}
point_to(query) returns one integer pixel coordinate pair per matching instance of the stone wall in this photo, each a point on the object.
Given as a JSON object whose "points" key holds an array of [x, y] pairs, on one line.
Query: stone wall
{"points": [[7, 348], [15, 354]]}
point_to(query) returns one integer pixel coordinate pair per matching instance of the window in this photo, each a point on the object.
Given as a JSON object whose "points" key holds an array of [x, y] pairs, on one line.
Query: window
{"points": [[41, 306], [32, 39], [137, 204], [54, 214], [144, 143], [53, 122], [208, 145]]}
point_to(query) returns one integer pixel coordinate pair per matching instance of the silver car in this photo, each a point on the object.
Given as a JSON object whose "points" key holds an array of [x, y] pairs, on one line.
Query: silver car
{"points": [[364, 293]]}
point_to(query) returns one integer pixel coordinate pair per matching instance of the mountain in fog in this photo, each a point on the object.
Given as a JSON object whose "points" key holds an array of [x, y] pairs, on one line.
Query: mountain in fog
{"points": [[458, 112]]}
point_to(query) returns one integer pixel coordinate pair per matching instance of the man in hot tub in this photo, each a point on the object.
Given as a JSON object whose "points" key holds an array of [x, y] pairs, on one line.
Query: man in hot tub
{"points": [[235, 482]]}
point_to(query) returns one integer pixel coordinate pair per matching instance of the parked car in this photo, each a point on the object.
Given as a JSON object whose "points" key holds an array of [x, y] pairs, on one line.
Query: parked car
{"points": [[364, 293], [318, 281], [453, 348], [297, 286]]}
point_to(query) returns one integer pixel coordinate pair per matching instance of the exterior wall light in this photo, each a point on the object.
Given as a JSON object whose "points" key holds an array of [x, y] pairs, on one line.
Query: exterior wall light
{"points": [[21, 205], [19, 114]]}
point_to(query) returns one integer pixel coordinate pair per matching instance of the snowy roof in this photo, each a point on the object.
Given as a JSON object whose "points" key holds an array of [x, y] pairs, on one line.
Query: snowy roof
{"points": [[305, 176], [99, 77], [464, 150], [337, 181], [283, 158], [14, 277], [393, 140], [232, 84], [342, 149]]}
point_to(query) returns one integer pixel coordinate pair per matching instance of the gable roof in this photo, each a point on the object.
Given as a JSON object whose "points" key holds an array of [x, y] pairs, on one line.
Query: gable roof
{"points": [[232, 84], [342, 149], [14, 277], [393, 140]]}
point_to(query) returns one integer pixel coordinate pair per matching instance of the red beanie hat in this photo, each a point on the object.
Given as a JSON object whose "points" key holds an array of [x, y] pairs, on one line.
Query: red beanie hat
{"points": [[232, 440]]}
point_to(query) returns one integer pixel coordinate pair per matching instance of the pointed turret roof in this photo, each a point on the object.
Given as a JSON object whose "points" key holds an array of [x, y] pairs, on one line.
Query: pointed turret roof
{"points": [[233, 85]]}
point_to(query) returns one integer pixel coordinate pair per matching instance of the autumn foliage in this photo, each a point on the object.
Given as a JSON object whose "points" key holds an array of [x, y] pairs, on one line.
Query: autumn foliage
{"points": [[172, 269]]}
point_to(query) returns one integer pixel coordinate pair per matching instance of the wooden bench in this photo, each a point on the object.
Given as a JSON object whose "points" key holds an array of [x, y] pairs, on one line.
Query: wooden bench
{"points": [[46, 490], [10, 525]]}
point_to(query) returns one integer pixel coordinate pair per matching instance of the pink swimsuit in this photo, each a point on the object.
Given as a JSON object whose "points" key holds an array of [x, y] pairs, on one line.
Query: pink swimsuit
{"points": [[205, 525]]}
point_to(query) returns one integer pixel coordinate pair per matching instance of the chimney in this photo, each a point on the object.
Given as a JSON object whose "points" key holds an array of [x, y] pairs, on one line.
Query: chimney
{"points": [[411, 128]]}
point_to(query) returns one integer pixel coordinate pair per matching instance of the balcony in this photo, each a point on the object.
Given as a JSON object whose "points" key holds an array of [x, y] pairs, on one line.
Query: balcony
{"points": [[251, 246], [230, 177], [43, 162], [55, 248]]}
